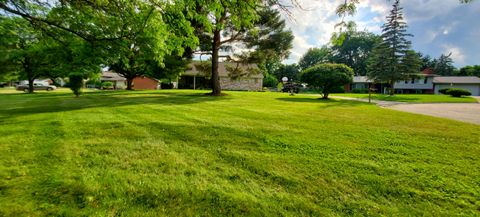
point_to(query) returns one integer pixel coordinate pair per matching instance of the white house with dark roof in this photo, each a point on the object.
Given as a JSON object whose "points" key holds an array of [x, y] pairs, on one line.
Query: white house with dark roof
{"points": [[426, 84], [470, 83]]}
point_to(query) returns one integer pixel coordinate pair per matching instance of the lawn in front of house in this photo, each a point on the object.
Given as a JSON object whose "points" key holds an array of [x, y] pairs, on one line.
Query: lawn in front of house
{"points": [[182, 153], [412, 98]]}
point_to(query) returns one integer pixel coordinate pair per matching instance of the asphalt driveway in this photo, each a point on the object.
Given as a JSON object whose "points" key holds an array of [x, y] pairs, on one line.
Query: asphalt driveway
{"points": [[466, 112]]}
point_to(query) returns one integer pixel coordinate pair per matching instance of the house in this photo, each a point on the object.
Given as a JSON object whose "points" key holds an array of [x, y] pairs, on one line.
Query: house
{"points": [[359, 83], [195, 78], [421, 83], [145, 83], [470, 83], [138, 83], [426, 83], [119, 82]]}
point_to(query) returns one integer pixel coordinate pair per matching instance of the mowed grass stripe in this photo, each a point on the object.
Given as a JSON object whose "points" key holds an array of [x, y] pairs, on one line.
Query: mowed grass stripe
{"points": [[151, 153]]}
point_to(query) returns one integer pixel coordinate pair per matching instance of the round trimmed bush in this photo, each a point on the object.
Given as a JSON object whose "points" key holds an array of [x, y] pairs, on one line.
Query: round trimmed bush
{"points": [[326, 78], [444, 90], [457, 92]]}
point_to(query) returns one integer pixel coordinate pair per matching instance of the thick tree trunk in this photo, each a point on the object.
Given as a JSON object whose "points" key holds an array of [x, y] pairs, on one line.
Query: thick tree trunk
{"points": [[325, 94], [30, 76], [129, 83], [216, 89], [30, 84]]}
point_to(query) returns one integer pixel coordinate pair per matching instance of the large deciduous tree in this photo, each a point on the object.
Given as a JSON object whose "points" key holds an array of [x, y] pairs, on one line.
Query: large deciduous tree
{"points": [[130, 36], [220, 22], [353, 48], [26, 52], [315, 56], [470, 71], [249, 24], [292, 72]]}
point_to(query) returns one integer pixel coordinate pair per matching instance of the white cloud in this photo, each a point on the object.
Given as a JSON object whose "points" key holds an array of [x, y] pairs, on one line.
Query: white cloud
{"points": [[433, 23], [457, 56], [312, 26]]}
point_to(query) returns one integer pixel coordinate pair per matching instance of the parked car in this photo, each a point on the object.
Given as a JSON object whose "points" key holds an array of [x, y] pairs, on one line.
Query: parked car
{"points": [[36, 86]]}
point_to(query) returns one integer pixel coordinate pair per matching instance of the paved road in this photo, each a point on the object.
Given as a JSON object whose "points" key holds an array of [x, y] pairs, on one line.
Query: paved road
{"points": [[466, 112]]}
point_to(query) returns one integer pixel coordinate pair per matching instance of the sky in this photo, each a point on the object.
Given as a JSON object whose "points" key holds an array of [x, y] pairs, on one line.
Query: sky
{"points": [[439, 26]]}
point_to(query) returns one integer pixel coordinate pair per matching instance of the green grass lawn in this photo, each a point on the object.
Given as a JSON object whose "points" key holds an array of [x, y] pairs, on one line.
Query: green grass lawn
{"points": [[413, 98], [181, 153]]}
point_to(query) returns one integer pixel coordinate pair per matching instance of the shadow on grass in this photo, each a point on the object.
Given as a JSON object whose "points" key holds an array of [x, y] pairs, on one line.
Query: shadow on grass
{"points": [[51, 103]]}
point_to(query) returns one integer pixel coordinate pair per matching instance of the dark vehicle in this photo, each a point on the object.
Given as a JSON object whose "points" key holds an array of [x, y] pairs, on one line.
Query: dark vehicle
{"points": [[294, 87], [36, 86]]}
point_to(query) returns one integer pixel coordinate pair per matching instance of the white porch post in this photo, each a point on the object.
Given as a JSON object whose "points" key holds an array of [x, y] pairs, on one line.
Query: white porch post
{"points": [[194, 82]]}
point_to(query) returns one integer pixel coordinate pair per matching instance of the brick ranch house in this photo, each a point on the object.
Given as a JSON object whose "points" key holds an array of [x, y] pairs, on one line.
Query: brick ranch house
{"points": [[194, 78], [145, 83], [139, 82]]}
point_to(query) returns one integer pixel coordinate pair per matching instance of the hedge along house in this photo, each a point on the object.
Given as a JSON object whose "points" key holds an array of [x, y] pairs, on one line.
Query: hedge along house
{"points": [[233, 76]]}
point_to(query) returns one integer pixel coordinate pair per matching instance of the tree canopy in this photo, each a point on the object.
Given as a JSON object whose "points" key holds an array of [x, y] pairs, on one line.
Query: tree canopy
{"points": [[327, 77], [354, 49], [389, 59], [315, 56]]}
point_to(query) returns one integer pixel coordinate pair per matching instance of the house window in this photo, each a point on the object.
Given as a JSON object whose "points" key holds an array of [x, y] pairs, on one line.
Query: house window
{"points": [[406, 82], [425, 80], [413, 80]]}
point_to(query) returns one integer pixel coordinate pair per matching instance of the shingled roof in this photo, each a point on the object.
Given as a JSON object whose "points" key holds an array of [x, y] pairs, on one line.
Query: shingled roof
{"points": [[112, 76], [456, 80]]}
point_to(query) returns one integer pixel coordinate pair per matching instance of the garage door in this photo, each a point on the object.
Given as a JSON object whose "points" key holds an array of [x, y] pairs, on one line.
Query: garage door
{"points": [[473, 88]]}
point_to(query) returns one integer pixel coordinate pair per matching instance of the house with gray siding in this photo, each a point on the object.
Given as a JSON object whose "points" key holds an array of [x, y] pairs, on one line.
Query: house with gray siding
{"points": [[470, 83], [425, 83]]}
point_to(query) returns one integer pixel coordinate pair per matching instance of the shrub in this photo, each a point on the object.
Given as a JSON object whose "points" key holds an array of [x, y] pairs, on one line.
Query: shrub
{"points": [[94, 82], [327, 77], [360, 90], [76, 83], [338, 89], [270, 81], [279, 86], [107, 85], [444, 90], [457, 92], [166, 85]]}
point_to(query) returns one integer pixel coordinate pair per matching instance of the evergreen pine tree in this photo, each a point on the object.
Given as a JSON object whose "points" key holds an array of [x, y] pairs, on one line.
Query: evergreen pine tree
{"points": [[387, 62]]}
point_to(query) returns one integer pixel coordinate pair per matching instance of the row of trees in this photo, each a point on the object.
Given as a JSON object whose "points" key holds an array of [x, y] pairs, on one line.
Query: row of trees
{"points": [[385, 58], [138, 37]]}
